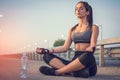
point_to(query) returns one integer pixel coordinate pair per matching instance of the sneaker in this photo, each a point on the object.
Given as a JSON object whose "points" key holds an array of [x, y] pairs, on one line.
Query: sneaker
{"points": [[47, 71], [81, 73]]}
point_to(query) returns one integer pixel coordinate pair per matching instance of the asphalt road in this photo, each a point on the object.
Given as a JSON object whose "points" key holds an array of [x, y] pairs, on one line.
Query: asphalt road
{"points": [[10, 70]]}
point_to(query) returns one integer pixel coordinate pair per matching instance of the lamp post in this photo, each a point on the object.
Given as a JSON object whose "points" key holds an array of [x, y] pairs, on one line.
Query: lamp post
{"points": [[101, 33], [101, 56], [62, 36], [0, 30], [47, 43], [1, 17]]}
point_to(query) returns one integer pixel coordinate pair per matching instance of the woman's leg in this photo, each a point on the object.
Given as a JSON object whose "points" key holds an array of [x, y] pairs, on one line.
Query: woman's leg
{"points": [[90, 69], [73, 66], [93, 67], [93, 70], [55, 61], [82, 61]]}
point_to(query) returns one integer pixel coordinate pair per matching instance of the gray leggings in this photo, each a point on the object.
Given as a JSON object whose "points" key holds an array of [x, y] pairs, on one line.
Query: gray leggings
{"points": [[87, 59]]}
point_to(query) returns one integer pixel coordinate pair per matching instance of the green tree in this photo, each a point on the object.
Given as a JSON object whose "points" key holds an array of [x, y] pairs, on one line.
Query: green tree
{"points": [[59, 42]]}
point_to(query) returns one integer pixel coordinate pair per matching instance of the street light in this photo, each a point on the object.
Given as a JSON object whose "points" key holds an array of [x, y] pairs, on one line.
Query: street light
{"points": [[0, 30], [101, 56], [63, 36], [47, 43], [101, 32], [1, 15]]}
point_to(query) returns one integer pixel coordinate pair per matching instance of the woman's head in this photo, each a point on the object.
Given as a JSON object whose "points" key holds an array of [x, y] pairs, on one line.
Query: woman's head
{"points": [[84, 9]]}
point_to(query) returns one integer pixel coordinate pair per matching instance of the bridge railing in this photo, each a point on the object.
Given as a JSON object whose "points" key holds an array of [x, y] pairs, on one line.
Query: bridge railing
{"points": [[104, 42]]}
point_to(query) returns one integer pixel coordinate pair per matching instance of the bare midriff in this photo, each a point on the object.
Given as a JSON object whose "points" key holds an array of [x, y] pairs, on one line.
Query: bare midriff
{"points": [[81, 46]]}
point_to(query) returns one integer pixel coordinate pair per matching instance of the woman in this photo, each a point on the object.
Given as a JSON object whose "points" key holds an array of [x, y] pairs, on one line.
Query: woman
{"points": [[84, 35]]}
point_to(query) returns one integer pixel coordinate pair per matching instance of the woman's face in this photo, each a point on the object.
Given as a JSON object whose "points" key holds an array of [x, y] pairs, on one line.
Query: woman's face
{"points": [[80, 10]]}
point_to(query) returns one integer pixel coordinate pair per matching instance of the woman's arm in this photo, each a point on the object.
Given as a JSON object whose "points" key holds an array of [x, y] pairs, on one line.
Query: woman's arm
{"points": [[94, 37], [66, 45]]}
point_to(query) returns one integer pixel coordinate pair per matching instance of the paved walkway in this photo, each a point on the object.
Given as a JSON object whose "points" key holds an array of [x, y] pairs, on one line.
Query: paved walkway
{"points": [[10, 69]]}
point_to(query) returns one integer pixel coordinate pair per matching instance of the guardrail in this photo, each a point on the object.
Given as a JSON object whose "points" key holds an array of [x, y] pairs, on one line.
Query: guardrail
{"points": [[102, 44]]}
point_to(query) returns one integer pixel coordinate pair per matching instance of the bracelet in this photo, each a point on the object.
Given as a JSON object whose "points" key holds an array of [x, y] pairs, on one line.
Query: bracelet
{"points": [[52, 50]]}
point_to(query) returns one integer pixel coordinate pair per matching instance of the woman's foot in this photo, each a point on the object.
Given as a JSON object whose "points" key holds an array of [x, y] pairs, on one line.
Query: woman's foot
{"points": [[82, 73], [51, 71], [47, 70]]}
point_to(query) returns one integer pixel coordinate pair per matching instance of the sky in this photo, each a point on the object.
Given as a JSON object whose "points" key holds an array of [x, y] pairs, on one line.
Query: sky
{"points": [[27, 24]]}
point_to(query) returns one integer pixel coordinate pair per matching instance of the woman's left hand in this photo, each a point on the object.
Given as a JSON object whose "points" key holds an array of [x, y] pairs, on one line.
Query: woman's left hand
{"points": [[90, 49]]}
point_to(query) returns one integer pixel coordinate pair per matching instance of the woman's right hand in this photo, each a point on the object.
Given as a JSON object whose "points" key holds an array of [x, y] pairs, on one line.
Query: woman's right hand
{"points": [[38, 50], [42, 50]]}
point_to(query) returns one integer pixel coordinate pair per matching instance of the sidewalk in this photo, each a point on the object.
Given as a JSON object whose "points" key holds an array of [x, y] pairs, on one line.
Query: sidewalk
{"points": [[10, 69]]}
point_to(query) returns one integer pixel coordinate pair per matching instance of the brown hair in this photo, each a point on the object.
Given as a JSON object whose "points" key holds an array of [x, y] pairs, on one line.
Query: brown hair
{"points": [[89, 17]]}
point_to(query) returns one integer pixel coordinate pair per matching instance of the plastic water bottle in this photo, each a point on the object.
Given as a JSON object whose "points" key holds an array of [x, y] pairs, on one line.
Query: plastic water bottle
{"points": [[24, 66]]}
